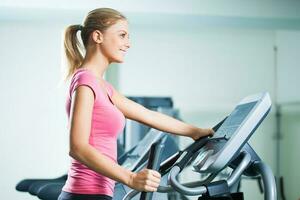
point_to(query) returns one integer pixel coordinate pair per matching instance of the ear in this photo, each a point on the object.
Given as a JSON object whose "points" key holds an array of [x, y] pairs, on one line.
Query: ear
{"points": [[97, 36]]}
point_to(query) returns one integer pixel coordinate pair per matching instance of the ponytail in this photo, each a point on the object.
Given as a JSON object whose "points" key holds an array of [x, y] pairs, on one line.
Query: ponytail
{"points": [[72, 48]]}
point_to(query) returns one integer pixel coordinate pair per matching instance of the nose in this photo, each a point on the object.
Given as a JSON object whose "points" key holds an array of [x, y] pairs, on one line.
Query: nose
{"points": [[128, 44]]}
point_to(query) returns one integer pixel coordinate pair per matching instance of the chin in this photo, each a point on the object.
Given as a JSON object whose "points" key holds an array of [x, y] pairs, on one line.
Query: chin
{"points": [[118, 60]]}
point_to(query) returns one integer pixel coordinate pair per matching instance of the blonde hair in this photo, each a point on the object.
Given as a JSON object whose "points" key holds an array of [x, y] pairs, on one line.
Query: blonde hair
{"points": [[98, 19]]}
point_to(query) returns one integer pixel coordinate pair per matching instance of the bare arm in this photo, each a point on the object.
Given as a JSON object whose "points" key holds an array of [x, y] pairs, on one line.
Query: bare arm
{"points": [[157, 120], [81, 150]]}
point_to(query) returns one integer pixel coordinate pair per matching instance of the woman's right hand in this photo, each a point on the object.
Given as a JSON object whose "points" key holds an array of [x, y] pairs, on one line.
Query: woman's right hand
{"points": [[145, 180]]}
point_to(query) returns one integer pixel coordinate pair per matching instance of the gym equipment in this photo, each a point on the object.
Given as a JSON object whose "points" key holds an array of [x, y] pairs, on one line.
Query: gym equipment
{"points": [[23, 186], [228, 147], [135, 131]]}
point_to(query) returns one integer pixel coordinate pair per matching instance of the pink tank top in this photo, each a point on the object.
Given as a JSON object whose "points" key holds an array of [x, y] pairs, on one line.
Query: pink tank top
{"points": [[107, 122]]}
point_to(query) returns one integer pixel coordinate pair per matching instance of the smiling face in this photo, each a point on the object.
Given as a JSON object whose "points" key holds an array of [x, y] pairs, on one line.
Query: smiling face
{"points": [[115, 42]]}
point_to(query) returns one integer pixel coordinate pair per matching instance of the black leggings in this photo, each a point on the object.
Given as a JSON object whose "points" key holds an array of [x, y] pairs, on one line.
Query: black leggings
{"points": [[72, 196]]}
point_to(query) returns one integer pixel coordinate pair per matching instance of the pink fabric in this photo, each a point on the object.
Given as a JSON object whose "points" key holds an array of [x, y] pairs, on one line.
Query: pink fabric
{"points": [[107, 123]]}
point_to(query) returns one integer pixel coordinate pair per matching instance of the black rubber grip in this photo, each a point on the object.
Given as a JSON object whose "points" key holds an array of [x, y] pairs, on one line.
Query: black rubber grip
{"points": [[217, 188], [154, 162], [216, 127], [166, 166]]}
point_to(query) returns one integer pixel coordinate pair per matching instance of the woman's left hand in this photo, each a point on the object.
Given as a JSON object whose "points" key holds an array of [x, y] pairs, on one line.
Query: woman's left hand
{"points": [[201, 132]]}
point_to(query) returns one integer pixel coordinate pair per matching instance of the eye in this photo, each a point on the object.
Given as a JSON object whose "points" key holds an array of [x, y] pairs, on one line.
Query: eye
{"points": [[123, 35]]}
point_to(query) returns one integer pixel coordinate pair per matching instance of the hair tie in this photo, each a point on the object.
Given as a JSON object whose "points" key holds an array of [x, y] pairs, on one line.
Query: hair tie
{"points": [[80, 27]]}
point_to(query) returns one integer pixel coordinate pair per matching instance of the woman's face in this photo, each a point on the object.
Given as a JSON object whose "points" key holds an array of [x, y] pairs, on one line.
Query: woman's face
{"points": [[116, 42]]}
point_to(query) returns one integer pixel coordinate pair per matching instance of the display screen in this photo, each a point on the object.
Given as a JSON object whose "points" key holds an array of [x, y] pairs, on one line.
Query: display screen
{"points": [[234, 120]]}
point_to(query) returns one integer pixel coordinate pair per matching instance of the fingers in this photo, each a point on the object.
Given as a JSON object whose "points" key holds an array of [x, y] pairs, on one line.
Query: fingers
{"points": [[151, 180], [151, 184], [209, 132], [150, 189], [155, 173]]}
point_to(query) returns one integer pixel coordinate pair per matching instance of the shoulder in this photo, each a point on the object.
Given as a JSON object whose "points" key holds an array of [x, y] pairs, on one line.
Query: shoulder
{"points": [[82, 75], [83, 78], [83, 95]]}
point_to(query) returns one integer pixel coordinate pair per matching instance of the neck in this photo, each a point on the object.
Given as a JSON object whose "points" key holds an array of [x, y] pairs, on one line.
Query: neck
{"points": [[96, 62]]}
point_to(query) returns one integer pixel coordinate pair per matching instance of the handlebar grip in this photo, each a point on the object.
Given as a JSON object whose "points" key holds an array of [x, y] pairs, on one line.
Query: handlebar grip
{"points": [[154, 162], [216, 127]]}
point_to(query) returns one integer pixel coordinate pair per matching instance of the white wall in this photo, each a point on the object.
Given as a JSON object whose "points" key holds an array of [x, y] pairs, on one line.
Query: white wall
{"points": [[199, 66], [34, 140], [289, 151], [255, 8], [288, 44]]}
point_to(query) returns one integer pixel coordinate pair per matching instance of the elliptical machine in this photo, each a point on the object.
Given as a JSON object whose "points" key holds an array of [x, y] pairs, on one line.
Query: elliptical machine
{"points": [[227, 148]]}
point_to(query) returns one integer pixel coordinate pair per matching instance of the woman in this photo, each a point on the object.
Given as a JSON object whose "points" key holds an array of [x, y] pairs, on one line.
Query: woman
{"points": [[97, 111]]}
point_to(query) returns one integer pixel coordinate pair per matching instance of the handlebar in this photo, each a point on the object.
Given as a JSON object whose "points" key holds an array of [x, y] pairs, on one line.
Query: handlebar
{"points": [[154, 162], [204, 189]]}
